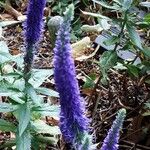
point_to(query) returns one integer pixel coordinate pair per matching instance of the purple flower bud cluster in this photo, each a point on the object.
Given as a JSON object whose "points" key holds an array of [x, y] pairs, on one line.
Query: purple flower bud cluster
{"points": [[112, 138], [33, 27], [73, 122]]}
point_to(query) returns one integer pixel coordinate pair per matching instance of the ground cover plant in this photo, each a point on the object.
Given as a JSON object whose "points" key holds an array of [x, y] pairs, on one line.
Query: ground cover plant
{"points": [[67, 68]]}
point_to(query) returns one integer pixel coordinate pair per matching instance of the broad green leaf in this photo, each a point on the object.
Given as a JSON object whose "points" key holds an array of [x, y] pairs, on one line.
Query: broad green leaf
{"points": [[23, 117], [135, 38], [5, 56], [48, 110], [41, 127], [107, 60], [7, 126], [33, 95], [7, 89], [24, 141], [6, 107], [17, 98], [39, 76], [47, 92], [19, 59]]}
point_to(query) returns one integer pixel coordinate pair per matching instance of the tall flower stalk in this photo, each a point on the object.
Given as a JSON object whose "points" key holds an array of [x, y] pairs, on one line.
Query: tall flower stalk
{"points": [[33, 28], [73, 123], [112, 138]]}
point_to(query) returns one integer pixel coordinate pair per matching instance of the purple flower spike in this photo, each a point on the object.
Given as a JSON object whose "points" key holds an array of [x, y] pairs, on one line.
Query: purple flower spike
{"points": [[33, 27], [112, 138], [73, 122]]}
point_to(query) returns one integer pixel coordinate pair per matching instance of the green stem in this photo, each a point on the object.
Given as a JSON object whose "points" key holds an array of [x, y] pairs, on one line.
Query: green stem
{"points": [[121, 32]]}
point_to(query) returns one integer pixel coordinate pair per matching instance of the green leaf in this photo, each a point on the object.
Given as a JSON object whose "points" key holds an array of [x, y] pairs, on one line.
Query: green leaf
{"points": [[7, 89], [46, 139], [89, 83], [147, 18], [48, 110], [145, 4], [147, 105], [5, 56], [24, 141], [107, 60], [135, 38], [133, 70], [8, 144], [16, 98], [7, 126], [47, 92], [39, 76], [95, 15], [146, 52], [41, 127], [33, 95], [106, 5], [126, 4], [6, 107], [23, 117], [111, 41]]}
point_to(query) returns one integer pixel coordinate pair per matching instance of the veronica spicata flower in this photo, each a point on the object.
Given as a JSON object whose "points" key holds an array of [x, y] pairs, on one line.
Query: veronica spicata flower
{"points": [[33, 27], [73, 122], [112, 138]]}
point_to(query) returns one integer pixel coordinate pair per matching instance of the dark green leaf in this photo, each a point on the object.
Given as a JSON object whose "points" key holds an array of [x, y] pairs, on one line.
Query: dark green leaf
{"points": [[89, 83], [146, 52], [133, 70], [111, 41], [135, 38], [7, 126]]}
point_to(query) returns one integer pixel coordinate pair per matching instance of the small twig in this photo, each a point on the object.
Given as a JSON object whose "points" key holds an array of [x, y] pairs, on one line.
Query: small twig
{"points": [[7, 6]]}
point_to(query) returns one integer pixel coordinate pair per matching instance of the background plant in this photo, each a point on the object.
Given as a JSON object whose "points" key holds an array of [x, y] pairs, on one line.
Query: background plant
{"points": [[23, 96]]}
